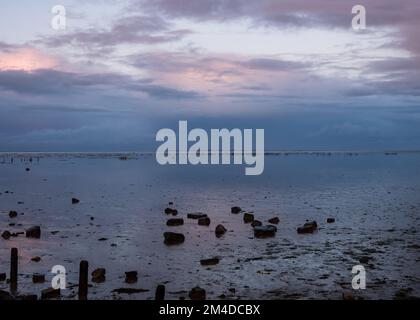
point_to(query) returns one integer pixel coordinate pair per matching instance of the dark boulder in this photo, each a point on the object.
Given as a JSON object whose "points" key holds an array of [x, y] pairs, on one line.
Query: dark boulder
{"points": [[274, 220], [6, 235], [98, 275], [256, 223], [308, 227], [209, 262], [248, 217], [175, 222], [75, 200], [131, 276], [13, 214], [197, 293], [173, 212], [265, 231], [38, 278], [220, 230], [330, 220], [33, 232], [196, 215], [235, 210], [172, 238], [50, 293], [205, 221]]}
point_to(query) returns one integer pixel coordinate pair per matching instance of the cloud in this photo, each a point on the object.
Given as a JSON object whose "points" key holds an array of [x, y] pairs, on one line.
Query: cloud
{"points": [[137, 29], [54, 82]]}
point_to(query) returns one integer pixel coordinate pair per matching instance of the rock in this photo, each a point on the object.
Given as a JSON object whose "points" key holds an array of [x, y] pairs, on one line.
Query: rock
{"points": [[38, 278], [220, 230], [256, 223], [274, 220], [75, 200], [175, 222], [173, 212], [36, 259], [248, 217], [235, 210], [197, 293], [205, 221], [102, 239], [6, 235], [364, 259], [172, 238], [27, 169], [98, 275], [348, 296], [34, 232], [265, 231], [13, 214], [196, 215], [308, 227], [50, 293], [4, 295], [131, 276], [209, 262], [330, 220], [2, 277]]}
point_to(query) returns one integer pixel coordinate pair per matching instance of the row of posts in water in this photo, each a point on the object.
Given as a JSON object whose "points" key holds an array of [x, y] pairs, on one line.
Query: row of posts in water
{"points": [[83, 278]]}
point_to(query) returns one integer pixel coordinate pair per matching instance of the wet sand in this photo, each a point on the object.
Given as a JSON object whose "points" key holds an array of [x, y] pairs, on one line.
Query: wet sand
{"points": [[120, 221]]}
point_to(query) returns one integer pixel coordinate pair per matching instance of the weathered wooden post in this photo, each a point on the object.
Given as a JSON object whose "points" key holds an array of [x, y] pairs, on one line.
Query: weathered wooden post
{"points": [[83, 280], [160, 292], [13, 269]]}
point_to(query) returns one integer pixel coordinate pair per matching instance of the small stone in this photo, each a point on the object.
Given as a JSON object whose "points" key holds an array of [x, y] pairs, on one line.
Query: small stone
{"points": [[50, 293], [265, 231], [131, 276], [330, 220], [173, 212], [220, 230], [38, 278], [13, 214], [172, 238], [34, 232], [6, 235], [205, 221], [98, 275], [27, 169], [235, 210], [209, 262], [75, 200], [175, 222], [197, 293], [248, 217], [196, 215], [256, 223], [308, 227], [274, 220], [36, 259], [364, 259], [348, 296]]}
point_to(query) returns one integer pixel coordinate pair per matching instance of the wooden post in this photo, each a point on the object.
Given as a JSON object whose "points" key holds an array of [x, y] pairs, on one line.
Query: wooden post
{"points": [[13, 269], [160, 292], [83, 280]]}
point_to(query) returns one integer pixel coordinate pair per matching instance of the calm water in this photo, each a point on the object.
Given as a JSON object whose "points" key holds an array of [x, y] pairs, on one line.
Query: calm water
{"points": [[375, 199]]}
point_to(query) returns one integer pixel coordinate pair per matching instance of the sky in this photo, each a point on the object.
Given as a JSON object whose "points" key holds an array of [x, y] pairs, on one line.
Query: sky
{"points": [[122, 70]]}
